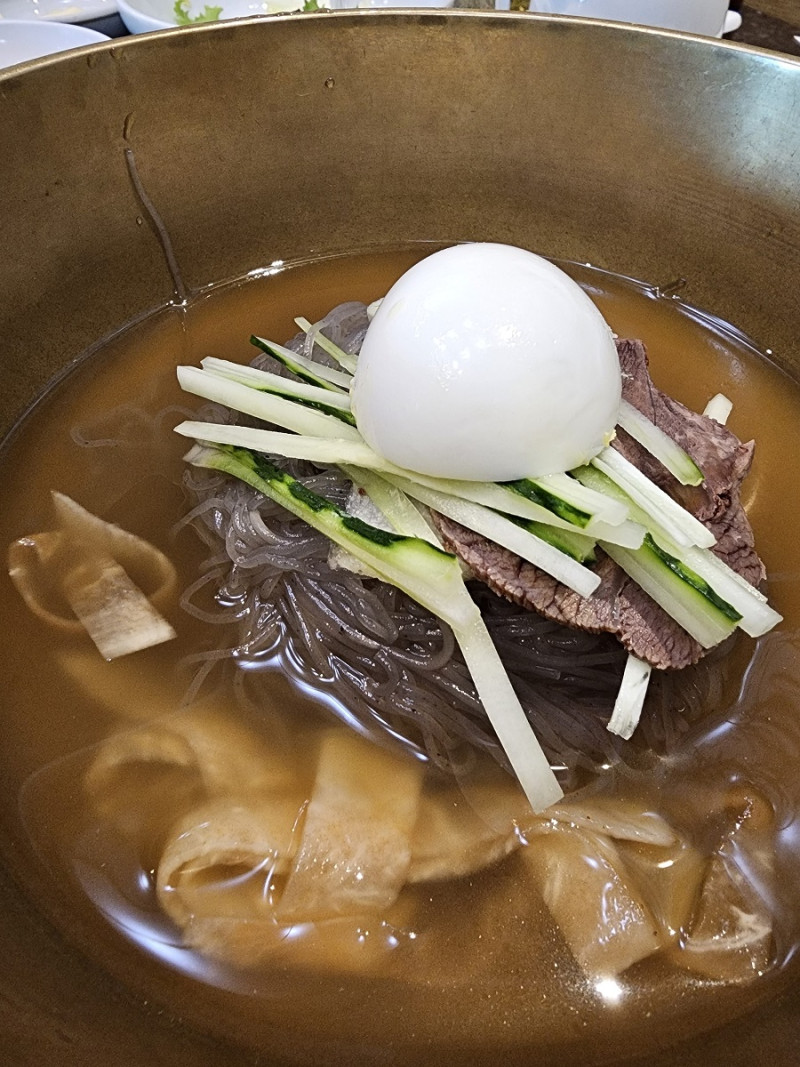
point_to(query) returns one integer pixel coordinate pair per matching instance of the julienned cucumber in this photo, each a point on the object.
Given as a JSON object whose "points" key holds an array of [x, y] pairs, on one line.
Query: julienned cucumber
{"points": [[307, 370], [429, 575], [518, 537], [756, 615], [265, 406], [686, 574], [308, 422], [549, 501], [515, 537], [659, 444], [313, 396], [345, 360], [698, 614], [577, 545]]}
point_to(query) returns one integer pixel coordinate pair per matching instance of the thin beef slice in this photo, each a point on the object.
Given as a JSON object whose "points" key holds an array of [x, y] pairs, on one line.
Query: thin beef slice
{"points": [[619, 606]]}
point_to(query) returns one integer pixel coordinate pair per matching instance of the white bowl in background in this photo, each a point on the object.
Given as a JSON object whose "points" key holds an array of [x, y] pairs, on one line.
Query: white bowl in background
{"points": [[21, 40], [709, 18], [56, 10], [143, 16]]}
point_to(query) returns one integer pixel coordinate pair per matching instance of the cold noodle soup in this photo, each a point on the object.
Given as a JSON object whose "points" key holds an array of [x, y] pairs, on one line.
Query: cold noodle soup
{"points": [[291, 823]]}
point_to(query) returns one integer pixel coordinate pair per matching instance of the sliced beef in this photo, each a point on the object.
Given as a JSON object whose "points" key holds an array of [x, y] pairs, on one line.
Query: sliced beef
{"points": [[619, 606], [721, 456]]}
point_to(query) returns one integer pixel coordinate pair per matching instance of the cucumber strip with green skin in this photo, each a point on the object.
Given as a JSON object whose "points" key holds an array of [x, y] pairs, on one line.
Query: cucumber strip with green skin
{"points": [[312, 396], [344, 359], [429, 575], [483, 520], [247, 375], [509, 535], [393, 504], [338, 450], [697, 615], [630, 698], [757, 616], [597, 505], [544, 498], [265, 406], [307, 370], [577, 545], [659, 444], [691, 578], [682, 526], [326, 443], [602, 483], [552, 496], [314, 443]]}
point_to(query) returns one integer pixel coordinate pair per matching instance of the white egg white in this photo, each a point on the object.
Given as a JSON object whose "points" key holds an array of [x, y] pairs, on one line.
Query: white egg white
{"points": [[487, 362]]}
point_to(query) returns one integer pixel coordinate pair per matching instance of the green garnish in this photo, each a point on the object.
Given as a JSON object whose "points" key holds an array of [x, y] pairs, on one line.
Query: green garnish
{"points": [[183, 18], [528, 488]]}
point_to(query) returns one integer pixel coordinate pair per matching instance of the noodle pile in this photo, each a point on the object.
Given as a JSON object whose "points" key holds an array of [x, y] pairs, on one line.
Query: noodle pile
{"points": [[388, 667]]}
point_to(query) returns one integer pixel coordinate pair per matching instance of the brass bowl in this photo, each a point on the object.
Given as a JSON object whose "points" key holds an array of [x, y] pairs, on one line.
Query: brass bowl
{"points": [[650, 154]]}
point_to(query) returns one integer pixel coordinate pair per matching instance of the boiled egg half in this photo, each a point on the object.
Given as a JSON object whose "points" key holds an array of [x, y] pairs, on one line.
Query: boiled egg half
{"points": [[487, 362]]}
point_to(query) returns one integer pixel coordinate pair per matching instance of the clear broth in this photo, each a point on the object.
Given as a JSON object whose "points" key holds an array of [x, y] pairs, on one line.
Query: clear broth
{"points": [[487, 971]]}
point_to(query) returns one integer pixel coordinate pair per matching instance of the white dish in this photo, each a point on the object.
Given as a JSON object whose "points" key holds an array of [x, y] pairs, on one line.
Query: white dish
{"points": [[56, 10], [24, 40], [710, 18], [143, 16]]}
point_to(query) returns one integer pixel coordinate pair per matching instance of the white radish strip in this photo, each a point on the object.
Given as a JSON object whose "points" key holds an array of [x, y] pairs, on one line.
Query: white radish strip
{"points": [[335, 379], [344, 359], [630, 698], [328, 440], [328, 450], [112, 608], [262, 379], [401, 512], [568, 489], [507, 534], [659, 444], [266, 406], [682, 526], [718, 408], [757, 617], [505, 713], [627, 535]]}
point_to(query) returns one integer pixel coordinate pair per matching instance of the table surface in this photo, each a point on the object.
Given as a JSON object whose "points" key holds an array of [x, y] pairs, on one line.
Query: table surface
{"points": [[772, 24]]}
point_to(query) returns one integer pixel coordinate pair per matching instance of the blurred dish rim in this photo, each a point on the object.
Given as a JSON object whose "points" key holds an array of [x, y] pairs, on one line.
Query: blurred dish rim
{"points": [[67, 11], [17, 36], [146, 16]]}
